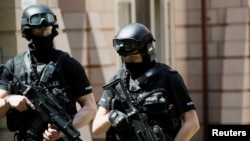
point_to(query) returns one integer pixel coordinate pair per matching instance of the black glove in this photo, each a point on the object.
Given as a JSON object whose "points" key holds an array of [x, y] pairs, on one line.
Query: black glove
{"points": [[118, 120]]}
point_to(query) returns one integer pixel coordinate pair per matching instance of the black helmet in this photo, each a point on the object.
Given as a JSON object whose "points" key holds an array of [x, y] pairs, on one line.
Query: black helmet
{"points": [[133, 37], [36, 16]]}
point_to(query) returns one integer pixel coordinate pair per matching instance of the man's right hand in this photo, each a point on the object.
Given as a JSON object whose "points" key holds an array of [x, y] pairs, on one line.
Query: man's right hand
{"points": [[118, 120], [19, 102]]}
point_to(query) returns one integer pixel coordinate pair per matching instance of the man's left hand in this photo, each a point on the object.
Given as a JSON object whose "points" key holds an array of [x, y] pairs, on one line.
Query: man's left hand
{"points": [[51, 134]]}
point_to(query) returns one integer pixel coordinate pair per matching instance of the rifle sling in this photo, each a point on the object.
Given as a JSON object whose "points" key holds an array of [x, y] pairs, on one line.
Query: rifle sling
{"points": [[145, 76], [30, 68]]}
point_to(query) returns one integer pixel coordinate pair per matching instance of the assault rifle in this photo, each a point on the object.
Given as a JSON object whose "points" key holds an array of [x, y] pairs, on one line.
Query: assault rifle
{"points": [[47, 107], [137, 120]]}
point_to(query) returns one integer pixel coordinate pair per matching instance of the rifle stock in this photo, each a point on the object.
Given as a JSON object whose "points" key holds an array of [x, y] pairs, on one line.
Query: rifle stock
{"points": [[137, 120]]}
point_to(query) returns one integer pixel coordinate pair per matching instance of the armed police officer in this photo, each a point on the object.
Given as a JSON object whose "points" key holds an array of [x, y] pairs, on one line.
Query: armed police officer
{"points": [[39, 27], [155, 89]]}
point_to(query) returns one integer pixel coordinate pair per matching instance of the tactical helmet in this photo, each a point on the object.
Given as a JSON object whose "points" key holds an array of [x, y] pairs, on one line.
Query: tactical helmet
{"points": [[133, 37], [36, 16]]}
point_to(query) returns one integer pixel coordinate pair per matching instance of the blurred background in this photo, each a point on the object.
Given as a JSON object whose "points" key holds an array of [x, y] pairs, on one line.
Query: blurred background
{"points": [[207, 41]]}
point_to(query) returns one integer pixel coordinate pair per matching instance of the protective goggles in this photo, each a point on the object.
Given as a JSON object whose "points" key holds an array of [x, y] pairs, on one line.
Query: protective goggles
{"points": [[37, 19], [125, 46]]}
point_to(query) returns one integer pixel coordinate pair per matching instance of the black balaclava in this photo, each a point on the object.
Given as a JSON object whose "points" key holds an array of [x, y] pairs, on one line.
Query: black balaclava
{"points": [[136, 69], [43, 45]]}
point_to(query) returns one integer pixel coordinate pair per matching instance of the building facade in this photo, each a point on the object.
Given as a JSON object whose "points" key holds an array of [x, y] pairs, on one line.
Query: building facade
{"points": [[207, 41]]}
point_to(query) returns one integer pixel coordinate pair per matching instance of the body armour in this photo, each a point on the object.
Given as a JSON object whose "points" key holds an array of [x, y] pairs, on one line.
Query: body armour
{"points": [[23, 71], [157, 96]]}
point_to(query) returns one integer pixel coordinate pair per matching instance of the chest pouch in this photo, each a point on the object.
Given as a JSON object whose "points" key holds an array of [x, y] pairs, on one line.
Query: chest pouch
{"points": [[154, 103]]}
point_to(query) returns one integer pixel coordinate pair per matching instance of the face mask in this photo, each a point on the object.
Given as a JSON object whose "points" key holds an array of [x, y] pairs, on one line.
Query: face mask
{"points": [[137, 69], [42, 43]]}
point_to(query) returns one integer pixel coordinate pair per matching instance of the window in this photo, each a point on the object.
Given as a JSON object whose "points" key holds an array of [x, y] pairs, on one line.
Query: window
{"points": [[124, 11]]}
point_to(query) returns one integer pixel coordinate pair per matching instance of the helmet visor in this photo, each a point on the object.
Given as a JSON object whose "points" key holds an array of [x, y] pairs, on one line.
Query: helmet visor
{"points": [[125, 46]]}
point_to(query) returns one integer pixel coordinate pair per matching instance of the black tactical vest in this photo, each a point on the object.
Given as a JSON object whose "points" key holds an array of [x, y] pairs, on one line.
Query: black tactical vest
{"points": [[21, 121]]}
